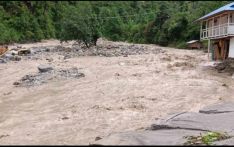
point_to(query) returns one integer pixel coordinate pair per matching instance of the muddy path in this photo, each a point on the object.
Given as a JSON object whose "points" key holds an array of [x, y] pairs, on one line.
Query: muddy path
{"points": [[118, 93]]}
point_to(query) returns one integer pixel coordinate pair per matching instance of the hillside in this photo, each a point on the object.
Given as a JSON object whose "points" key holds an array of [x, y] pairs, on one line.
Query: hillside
{"points": [[156, 22]]}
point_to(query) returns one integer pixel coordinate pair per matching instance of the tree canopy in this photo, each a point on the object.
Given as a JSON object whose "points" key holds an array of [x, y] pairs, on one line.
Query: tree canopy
{"points": [[167, 23]]}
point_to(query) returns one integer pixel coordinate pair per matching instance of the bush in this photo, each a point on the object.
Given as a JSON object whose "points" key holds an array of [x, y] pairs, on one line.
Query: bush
{"points": [[181, 45]]}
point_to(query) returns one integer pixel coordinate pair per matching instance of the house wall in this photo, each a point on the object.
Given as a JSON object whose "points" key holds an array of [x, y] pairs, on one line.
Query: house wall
{"points": [[232, 17], [231, 48], [231, 30], [220, 48], [218, 20]]}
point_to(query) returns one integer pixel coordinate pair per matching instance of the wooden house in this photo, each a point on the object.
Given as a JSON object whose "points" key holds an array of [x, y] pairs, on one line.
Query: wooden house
{"points": [[218, 28]]}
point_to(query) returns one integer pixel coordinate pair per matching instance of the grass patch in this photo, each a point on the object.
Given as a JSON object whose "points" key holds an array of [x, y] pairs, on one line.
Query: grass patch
{"points": [[206, 139]]}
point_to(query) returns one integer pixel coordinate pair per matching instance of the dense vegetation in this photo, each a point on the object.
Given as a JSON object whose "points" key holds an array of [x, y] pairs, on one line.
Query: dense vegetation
{"points": [[168, 23]]}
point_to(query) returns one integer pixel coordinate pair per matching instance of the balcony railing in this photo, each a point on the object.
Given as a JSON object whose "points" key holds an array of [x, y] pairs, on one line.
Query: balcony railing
{"points": [[218, 31]]}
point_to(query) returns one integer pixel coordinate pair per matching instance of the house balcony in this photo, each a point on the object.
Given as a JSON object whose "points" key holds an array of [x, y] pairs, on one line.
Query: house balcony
{"points": [[219, 31]]}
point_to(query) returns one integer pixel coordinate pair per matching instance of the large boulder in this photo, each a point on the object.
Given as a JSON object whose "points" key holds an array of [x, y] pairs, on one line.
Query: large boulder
{"points": [[13, 52], [11, 57], [16, 58], [161, 137], [24, 51], [45, 68], [2, 60], [8, 56], [221, 122], [218, 108]]}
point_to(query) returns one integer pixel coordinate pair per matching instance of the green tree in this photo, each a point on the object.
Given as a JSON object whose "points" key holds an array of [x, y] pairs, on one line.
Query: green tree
{"points": [[80, 24]]}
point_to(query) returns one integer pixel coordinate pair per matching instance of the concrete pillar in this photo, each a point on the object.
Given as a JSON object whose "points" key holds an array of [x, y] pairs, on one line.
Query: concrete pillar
{"points": [[231, 48]]}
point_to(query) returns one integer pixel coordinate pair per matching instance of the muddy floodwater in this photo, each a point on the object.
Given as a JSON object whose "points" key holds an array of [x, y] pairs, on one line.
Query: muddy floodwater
{"points": [[118, 92]]}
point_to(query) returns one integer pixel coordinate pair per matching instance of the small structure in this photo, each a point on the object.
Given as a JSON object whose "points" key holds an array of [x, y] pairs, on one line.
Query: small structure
{"points": [[194, 44], [218, 28]]}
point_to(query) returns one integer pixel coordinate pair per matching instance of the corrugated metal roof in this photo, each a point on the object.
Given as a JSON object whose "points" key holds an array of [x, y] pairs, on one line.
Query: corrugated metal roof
{"points": [[227, 7], [192, 41]]}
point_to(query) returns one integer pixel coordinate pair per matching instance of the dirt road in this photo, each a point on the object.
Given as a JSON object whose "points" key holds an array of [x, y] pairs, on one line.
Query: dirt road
{"points": [[117, 94]]}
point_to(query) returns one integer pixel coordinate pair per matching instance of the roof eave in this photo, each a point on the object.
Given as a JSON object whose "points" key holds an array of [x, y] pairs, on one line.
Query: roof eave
{"points": [[201, 18]]}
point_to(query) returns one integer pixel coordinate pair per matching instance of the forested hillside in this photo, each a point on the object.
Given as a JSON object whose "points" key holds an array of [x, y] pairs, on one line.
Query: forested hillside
{"points": [[167, 23]]}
